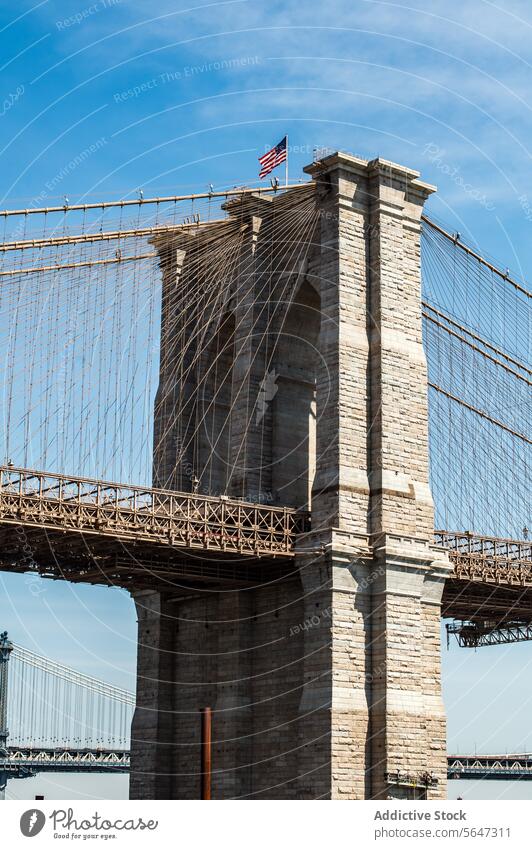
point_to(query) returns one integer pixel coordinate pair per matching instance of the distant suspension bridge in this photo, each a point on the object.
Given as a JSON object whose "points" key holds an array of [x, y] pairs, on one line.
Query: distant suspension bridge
{"points": [[55, 719]]}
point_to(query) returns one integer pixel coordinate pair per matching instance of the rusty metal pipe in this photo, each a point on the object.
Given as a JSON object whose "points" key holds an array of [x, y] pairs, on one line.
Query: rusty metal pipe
{"points": [[206, 752]]}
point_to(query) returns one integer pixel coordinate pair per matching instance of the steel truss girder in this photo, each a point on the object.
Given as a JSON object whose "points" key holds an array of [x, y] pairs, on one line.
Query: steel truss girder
{"points": [[23, 762], [112, 533], [490, 767], [476, 634], [36, 499]]}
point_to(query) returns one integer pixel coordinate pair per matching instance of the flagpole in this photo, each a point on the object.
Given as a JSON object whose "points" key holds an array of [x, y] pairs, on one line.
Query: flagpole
{"points": [[286, 163]]}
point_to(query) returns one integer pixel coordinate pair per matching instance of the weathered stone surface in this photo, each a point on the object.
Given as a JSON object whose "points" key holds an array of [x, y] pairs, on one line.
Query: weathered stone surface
{"points": [[327, 684]]}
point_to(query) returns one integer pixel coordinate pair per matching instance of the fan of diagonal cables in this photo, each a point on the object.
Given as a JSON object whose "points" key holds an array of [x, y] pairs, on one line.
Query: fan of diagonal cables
{"points": [[477, 334], [80, 303], [52, 705], [229, 309]]}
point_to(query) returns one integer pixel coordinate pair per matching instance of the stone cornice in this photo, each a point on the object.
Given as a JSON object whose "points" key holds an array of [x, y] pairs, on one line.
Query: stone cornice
{"points": [[382, 168]]}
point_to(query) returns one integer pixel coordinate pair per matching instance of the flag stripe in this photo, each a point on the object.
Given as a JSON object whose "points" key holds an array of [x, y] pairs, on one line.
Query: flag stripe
{"points": [[272, 158]]}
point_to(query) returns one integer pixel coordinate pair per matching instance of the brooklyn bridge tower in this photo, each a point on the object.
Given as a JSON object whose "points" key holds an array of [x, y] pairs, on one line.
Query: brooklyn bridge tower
{"points": [[292, 373]]}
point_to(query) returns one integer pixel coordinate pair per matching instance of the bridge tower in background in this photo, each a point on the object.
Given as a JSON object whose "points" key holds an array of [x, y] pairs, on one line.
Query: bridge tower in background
{"points": [[309, 389], [6, 647]]}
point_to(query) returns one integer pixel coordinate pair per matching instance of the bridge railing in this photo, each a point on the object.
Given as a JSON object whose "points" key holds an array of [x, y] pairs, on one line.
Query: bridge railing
{"points": [[484, 558], [190, 520], [221, 523]]}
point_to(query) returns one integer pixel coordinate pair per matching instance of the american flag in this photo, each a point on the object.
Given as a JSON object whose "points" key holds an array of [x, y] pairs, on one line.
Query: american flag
{"points": [[273, 158]]}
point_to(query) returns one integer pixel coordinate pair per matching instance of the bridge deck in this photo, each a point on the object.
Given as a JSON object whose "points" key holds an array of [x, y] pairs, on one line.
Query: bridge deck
{"points": [[22, 761], [492, 579], [102, 532], [490, 767]]}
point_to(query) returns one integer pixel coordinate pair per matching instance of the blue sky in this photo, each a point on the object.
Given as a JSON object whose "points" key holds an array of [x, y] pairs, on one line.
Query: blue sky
{"points": [[446, 92], [177, 95]]}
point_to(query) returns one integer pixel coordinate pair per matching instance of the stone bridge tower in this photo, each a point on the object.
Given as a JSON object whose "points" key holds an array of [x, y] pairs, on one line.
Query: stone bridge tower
{"points": [[324, 679]]}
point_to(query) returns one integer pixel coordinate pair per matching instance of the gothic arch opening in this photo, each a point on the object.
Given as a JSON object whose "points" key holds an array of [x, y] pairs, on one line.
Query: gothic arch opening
{"points": [[294, 403], [214, 409]]}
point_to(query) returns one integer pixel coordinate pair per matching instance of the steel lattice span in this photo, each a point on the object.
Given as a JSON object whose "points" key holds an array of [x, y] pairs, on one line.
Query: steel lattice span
{"points": [[101, 532], [25, 761], [97, 531], [490, 767]]}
